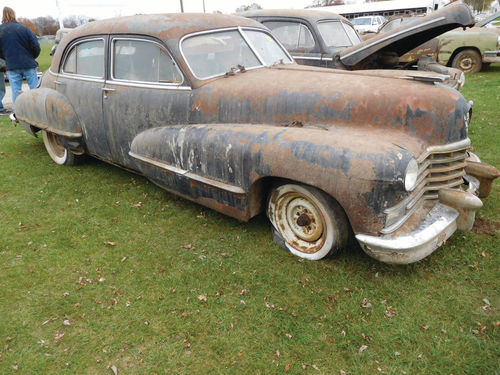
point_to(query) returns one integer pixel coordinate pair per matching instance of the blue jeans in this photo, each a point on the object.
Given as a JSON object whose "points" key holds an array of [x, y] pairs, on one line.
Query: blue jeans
{"points": [[16, 81]]}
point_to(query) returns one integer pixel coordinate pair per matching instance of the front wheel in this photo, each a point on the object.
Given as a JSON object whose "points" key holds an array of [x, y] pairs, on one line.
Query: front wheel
{"points": [[56, 150], [310, 223], [468, 61]]}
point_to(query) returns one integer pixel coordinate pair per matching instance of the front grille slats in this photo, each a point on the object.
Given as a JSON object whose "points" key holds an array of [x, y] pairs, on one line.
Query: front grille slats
{"points": [[440, 167]]}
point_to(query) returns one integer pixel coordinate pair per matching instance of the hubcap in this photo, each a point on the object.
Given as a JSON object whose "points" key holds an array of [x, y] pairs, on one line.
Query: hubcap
{"points": [[304, 219]]}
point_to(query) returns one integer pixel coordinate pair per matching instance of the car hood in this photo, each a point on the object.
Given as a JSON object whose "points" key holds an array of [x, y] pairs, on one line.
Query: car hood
{"points": [[333, 99], [408, 36]]}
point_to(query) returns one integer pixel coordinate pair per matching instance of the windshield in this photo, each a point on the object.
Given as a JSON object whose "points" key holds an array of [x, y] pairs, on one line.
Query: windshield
{"points": [[338, 34], [362, 21], [220, 52]]}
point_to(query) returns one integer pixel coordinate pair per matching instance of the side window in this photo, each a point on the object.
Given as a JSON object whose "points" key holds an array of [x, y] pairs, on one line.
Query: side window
{"points": [[145, 61], [293, 35], [86, 58]]}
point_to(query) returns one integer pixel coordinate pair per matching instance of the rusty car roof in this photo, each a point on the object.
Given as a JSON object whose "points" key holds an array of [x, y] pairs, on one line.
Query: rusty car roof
{"points": [[169, 27], [309, 14]]}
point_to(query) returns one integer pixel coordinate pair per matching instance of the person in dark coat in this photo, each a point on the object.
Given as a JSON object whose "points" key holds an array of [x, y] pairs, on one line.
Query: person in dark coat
{"points": [[19, 48]]}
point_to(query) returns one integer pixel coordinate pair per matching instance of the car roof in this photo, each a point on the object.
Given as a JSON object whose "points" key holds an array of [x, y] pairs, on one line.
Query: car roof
{"points": [[309, 14], [169, 27]]}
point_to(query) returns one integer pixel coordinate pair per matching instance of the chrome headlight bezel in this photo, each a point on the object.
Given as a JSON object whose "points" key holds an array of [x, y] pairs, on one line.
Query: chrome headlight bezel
{"points": [[411, 175]]}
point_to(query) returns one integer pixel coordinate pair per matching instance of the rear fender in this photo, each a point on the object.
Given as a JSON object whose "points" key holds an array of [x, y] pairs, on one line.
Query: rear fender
{"points": [[46, 109]]}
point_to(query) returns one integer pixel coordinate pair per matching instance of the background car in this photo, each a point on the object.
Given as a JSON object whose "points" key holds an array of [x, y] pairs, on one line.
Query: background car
{"points": [[61, 33], [323, 38], [213, 108], [468, 50], [368, 24]]}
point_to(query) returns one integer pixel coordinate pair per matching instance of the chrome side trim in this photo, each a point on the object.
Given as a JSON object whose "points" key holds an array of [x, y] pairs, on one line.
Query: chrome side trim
{"points": [[432, 232], [182, 172]]}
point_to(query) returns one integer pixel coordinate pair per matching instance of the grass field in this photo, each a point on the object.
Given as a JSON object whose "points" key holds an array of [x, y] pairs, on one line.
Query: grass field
{"points": [[102, 270]]}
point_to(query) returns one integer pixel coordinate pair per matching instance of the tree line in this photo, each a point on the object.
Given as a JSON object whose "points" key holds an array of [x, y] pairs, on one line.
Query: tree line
{"points": [[48, 25]]}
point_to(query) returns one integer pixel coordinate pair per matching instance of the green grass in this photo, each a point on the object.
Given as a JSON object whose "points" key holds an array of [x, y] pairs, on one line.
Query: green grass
{"points": [[44, 60], [169, 287]]}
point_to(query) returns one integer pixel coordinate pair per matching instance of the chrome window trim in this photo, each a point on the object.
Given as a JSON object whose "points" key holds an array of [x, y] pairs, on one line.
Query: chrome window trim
{"points": [[74, 45], [313, 58], [152, 85], [234, 28], [148, 83]]}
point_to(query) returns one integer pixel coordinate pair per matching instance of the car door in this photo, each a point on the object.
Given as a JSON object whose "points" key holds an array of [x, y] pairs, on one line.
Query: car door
{"points": [[145, 89], [81, 80]]}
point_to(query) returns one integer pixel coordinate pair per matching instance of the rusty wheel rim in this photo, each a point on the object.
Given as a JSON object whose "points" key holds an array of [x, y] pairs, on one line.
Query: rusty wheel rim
{"points": [[301, 222], [304, 219]]}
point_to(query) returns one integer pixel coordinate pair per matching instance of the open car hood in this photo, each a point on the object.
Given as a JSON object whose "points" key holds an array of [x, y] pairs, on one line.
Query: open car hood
{"points": [[408, 36]]}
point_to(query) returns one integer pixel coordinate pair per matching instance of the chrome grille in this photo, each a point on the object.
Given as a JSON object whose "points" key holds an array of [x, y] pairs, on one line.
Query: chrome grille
{"points": [[439, 167]]}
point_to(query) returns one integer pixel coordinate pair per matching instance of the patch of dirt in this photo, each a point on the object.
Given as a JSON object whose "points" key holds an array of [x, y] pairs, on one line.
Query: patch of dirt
{"points": [[485, 227]]}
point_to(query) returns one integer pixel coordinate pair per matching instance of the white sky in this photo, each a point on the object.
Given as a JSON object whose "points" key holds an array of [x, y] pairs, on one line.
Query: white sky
{"points": [[111, 8]]}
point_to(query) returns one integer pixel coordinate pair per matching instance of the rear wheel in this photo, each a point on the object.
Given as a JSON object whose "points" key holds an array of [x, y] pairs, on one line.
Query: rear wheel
{"points": [[306, 221], [468, 61], [57, 151]]}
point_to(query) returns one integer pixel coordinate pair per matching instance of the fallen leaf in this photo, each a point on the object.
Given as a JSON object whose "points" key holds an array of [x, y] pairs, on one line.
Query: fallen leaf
{"points": [[114, 369], [188, 247], [424, 328], [287, 366], [366, 304], [496, 324], [289, 336], [363, 348], [202, 298], [109, 243], [66, 322]]}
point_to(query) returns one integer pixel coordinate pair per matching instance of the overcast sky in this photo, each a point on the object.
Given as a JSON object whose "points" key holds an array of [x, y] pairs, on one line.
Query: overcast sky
{"points": [[110, 8]]}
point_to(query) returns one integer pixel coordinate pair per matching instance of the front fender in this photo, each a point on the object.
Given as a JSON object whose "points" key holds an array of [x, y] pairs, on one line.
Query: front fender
{"points": [[46, 109], [365, 174]]}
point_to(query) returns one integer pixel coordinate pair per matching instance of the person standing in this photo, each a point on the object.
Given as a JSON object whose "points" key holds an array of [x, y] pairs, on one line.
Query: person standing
{"points": [[19, 47], [3, 110]]}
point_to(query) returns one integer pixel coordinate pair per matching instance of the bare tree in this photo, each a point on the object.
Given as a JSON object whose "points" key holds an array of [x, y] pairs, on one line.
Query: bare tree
{"points": [[244, 8], [45, 25], [75, 21]]}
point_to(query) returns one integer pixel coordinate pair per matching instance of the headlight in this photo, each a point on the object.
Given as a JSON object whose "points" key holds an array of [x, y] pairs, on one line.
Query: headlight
{"points": [[411, 175]]}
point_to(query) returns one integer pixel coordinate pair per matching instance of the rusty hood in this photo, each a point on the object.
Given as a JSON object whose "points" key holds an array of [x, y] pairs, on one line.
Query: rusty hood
{"points": [[408, 36], [329, 100]]}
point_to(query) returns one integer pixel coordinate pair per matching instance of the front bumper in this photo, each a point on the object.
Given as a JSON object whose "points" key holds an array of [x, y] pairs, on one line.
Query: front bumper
{"points": [[455, 210], [491, 56], [432, 232]]}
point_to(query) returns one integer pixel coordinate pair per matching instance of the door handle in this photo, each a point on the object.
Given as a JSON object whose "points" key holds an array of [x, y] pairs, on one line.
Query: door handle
{"points": [[107, 89]]}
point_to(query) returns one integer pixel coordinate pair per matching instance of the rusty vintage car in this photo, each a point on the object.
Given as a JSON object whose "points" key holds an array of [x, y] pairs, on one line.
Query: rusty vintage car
{"points": [[212, 108], [468, 50], [322, 38]]}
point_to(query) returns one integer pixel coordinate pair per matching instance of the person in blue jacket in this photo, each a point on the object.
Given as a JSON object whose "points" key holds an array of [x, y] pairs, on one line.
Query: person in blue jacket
{"points": [[19, 48]]}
